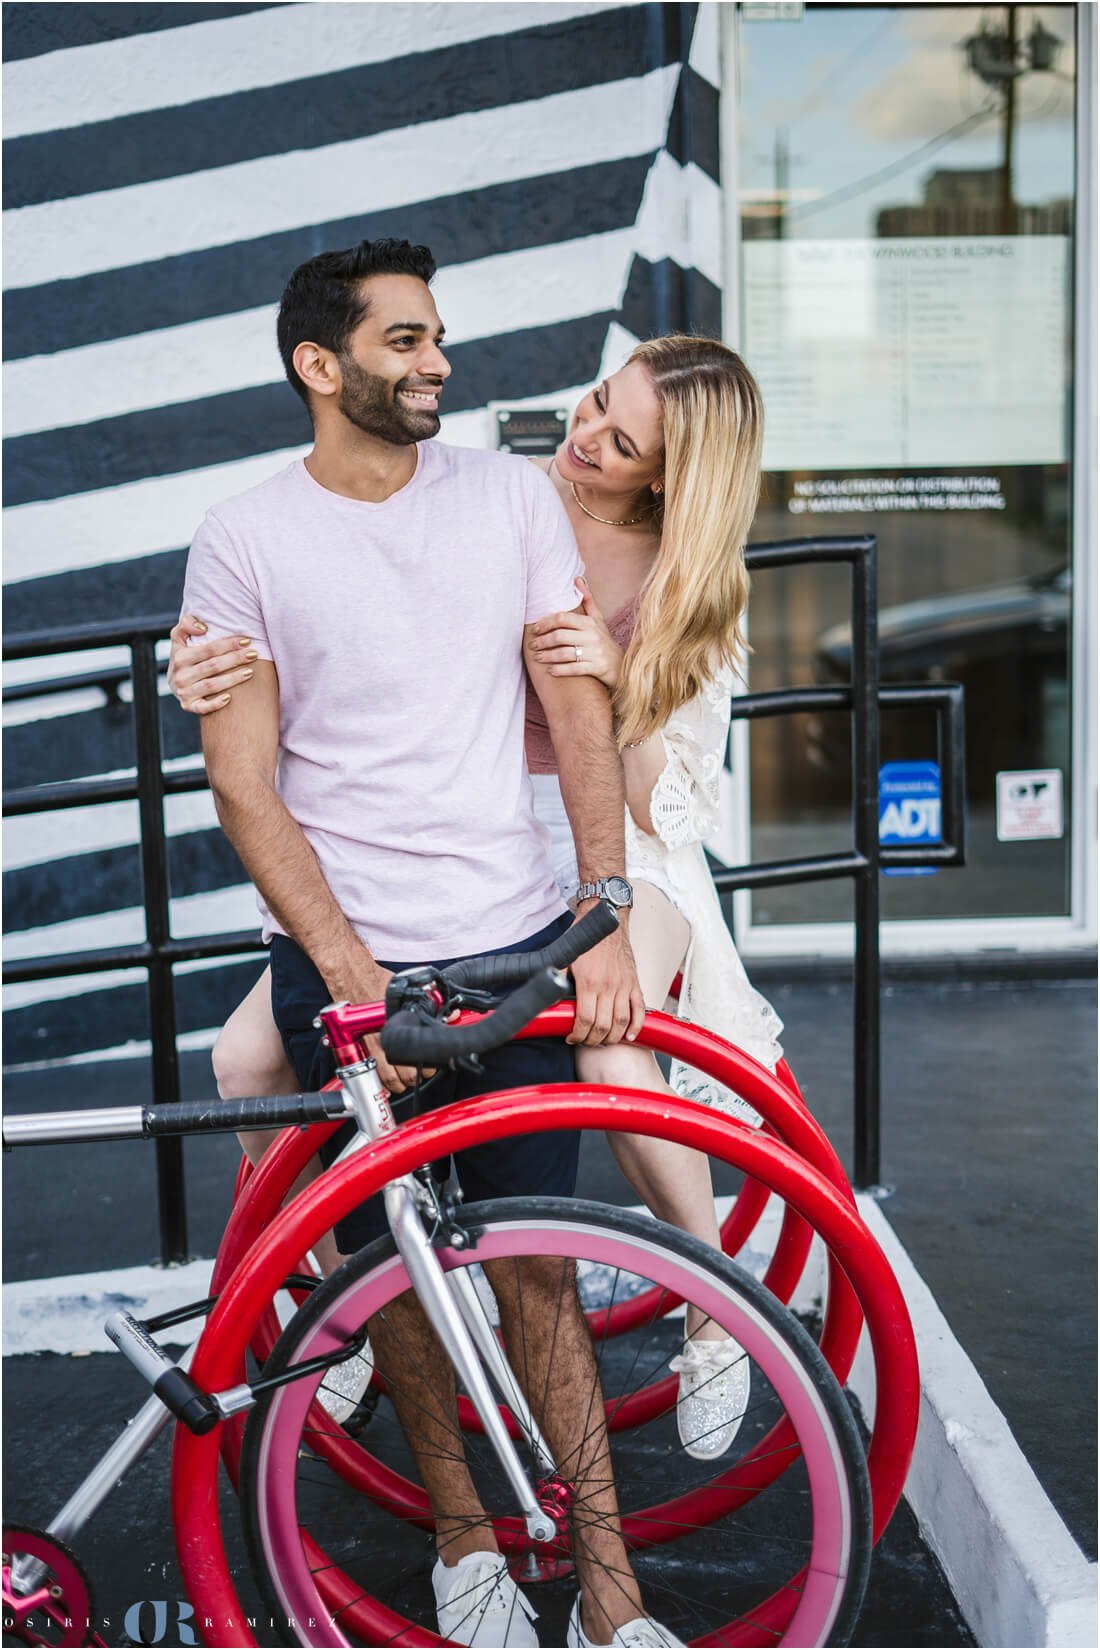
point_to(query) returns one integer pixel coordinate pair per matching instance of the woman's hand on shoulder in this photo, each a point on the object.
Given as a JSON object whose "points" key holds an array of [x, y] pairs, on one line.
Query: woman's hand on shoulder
{"points": [[202, 674], [578, 643]]}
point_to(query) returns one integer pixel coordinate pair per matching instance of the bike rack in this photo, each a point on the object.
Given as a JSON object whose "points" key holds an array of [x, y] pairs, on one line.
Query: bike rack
{"points": [[150, 784]]}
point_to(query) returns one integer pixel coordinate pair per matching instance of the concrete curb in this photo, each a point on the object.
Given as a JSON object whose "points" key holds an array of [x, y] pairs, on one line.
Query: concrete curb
{"points": [[1017, 1574]]}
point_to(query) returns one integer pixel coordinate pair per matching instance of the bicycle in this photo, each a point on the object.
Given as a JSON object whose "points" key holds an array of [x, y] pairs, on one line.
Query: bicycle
{"points": [[703, 1512]]}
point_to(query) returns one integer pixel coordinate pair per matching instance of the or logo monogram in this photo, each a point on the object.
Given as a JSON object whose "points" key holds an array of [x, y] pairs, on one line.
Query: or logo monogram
{"points": [[136, 1621]]}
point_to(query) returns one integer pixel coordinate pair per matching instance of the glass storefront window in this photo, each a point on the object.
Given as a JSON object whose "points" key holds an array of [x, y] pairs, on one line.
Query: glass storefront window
{"points": [[907, 207]]}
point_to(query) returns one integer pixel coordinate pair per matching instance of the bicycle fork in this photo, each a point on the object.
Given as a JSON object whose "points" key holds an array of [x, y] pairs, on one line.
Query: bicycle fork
{"points": [[458, 1320]]}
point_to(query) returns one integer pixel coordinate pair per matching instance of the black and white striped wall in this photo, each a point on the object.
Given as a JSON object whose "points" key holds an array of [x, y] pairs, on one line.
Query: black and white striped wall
{"points": [[166, 167]]}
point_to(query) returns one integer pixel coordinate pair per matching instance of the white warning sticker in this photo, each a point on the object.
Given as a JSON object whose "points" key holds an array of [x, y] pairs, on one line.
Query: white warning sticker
{"points": [[1029, 805]]}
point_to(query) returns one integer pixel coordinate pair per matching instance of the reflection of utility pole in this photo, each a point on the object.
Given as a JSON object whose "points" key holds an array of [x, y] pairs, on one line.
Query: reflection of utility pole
{"points": [[781, 159], [1007, 200], [782, 178], [998, 57]]}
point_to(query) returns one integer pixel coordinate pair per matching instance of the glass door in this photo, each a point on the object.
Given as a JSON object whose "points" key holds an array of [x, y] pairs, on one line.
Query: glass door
{"points": [[904, 180]]}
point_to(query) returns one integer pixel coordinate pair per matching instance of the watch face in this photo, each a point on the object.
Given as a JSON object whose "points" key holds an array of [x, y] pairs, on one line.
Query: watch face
{"points": [[619, 891]]}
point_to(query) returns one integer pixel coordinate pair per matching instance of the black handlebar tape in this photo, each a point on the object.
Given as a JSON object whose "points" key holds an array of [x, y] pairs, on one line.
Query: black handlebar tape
{"points": [[238, 1116], [491, 973], [409, 1041]]}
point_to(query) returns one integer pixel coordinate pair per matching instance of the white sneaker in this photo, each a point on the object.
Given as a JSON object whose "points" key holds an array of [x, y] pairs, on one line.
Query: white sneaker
{"points": [[714, 1395], [343, 1386], [478, 1603], [643, 1633]]}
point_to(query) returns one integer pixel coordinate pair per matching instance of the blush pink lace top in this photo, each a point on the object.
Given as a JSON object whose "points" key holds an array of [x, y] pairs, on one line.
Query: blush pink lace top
{"points": [[536, 734]]}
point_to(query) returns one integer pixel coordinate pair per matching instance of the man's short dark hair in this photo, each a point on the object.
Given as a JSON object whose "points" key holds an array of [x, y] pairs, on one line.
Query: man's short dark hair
{"points": [[324, 300]]}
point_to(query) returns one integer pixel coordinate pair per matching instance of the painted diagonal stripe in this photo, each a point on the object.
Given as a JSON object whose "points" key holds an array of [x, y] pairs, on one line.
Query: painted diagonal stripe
{"points": [[34, 839], [144, 584], [589, 200], [205, 60], [693, 128], [37, 29], [221, 911], [704, 58], [65, 239], [317, 112], [488, 296], [120, 522], [68, 1017], [109, 879]]}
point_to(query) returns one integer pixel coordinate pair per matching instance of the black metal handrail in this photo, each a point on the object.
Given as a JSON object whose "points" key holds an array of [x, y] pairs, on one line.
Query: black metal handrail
{"points": [[862, 698]]}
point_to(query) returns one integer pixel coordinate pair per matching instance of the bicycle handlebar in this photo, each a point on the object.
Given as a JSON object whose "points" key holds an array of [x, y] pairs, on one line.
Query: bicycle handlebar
{"points": [[489, 973], [408, 1038]]}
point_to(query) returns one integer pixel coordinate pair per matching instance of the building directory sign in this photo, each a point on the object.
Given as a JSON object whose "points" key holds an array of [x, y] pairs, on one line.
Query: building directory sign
{"points": [[910, 352]]}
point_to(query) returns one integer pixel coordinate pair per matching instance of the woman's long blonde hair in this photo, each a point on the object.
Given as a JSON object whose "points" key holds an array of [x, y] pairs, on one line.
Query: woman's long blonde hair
{"points": [[694, 598]]}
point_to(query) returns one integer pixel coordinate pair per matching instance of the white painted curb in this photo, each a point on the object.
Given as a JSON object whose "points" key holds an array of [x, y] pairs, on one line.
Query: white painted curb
{"points": [[1017, 1574], [67, 1314]]}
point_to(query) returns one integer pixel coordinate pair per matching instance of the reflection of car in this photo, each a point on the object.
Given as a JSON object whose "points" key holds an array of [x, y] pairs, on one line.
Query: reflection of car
{"points": [[1009, 647]]}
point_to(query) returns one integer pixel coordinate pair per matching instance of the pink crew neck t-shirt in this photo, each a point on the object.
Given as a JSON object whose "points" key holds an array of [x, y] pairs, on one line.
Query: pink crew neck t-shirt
{"points": [[397, 632]]}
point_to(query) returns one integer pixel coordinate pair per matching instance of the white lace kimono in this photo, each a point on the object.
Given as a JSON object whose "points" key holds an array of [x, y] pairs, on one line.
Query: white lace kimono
{"points": [[715, 990]]}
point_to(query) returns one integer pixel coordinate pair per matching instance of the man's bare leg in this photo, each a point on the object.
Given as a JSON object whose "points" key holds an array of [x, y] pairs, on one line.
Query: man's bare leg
{"points": [[551, 1354], [550, 1351], [420, 1379]]}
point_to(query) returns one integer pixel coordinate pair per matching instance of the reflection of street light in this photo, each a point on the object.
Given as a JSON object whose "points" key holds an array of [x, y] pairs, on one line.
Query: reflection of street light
{"points": [[996, 57], [1042, 48]]}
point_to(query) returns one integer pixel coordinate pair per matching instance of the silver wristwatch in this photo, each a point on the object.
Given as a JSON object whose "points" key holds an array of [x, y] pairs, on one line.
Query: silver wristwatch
{"points": [[615, 890]]}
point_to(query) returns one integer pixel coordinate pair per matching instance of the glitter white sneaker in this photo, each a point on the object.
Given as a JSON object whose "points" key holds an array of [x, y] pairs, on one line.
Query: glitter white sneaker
{"points": [[343, 1386], [714, 1394], [643, 1633], [478, 1603]]}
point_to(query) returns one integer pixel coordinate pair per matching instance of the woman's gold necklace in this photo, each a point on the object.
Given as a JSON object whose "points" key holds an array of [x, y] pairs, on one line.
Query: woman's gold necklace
{"points": [[630, 521]]}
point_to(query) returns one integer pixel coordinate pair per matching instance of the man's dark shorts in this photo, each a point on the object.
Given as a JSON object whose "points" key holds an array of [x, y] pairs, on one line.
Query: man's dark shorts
{"points": [[526, 1166]]}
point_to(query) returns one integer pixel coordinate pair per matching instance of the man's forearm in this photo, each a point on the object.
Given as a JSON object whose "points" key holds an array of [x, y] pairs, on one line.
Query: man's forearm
{"points": [[278, 857], [591, 779]]}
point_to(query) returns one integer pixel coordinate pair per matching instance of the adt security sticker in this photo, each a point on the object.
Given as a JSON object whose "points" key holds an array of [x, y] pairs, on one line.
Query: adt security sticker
{"points": [[909, 811], [1029, 805]]}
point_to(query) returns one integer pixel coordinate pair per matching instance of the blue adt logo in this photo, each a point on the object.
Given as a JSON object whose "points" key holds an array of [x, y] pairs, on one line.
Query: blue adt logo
{"points": [[909, 810]]}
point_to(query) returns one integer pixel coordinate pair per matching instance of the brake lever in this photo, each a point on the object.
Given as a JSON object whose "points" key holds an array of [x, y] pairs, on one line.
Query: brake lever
{"points": [[470, 997]]}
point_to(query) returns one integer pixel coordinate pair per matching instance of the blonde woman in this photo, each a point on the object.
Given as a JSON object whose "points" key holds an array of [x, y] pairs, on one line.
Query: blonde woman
{"points": [[659, 475]]}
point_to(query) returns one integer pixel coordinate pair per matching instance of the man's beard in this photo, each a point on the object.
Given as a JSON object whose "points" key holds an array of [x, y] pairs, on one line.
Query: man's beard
{"points": [[371, 404]]}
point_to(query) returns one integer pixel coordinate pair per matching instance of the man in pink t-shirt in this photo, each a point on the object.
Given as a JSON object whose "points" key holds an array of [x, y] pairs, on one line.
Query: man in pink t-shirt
{"points": [[373, 779]]}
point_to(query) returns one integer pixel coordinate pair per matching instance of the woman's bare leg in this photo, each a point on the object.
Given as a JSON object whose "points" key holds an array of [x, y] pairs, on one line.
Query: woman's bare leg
{"points": [[248, 1059], [673, 1182]]}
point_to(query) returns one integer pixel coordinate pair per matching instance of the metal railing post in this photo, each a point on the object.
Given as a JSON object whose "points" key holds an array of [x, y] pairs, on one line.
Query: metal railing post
{"points": [[171, 1193], [867, 999]]}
